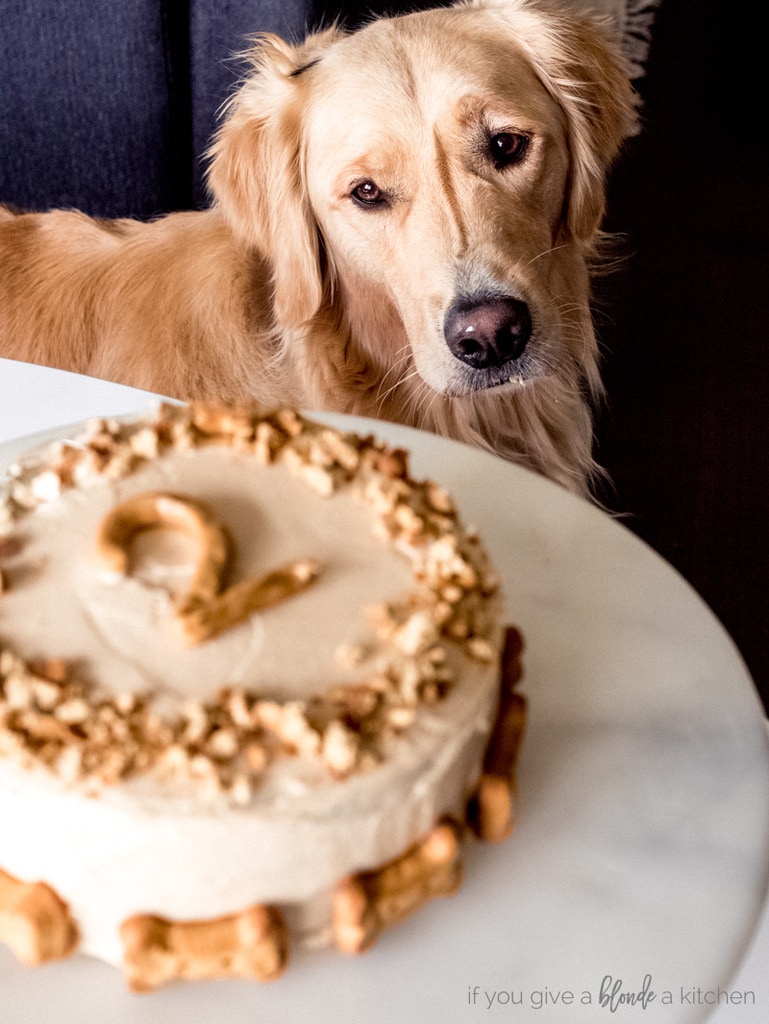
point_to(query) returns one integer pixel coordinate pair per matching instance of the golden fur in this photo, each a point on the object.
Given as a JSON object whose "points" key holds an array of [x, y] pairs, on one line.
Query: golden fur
{"points": [[289, 290]]}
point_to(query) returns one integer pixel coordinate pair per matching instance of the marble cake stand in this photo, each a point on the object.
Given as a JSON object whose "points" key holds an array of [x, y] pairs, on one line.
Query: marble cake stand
{"points": [[640, 863]]}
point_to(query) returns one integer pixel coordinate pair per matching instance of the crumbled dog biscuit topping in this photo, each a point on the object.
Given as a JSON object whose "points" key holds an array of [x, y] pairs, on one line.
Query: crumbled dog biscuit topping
{"points": [[49, 717]]}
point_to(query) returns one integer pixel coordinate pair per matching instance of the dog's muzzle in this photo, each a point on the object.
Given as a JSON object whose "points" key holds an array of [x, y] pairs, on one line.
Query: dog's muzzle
{"points": [[486, 332]]}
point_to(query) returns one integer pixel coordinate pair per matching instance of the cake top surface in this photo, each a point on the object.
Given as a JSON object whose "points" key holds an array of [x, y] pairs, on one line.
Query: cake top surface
{"points": [[195, 592]]}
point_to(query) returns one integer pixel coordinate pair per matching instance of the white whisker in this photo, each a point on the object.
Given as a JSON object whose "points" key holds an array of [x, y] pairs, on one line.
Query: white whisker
{"points": [[545, 252]]}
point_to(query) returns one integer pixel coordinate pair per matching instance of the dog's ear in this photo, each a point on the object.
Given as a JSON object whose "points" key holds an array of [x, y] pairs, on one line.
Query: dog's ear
{"points": [[257, 177], [579, 61], [592, 83]]}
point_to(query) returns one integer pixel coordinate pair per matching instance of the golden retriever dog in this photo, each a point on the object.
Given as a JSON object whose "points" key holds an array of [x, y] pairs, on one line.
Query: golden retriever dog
{"points": [[402, 226]]}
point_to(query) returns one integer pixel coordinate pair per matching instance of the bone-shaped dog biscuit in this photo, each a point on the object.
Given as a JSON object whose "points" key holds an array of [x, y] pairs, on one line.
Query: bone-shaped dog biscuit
{"points": [[252, 944], [505, 741], [491, 810], [368, 902], [34, 921]]}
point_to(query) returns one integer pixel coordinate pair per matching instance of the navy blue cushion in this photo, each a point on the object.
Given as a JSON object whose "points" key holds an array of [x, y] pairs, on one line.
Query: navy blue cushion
{"points": [[109, 107], [85, 107], [218, 33]]}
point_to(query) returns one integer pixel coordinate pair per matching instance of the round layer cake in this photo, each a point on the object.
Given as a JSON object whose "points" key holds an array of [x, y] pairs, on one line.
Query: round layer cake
{"points": [[243, 658]]}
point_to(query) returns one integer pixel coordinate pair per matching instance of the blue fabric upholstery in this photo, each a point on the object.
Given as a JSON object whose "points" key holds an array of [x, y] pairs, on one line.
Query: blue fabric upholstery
{"points": [[109, 107], [219, 31], [85, 107]]}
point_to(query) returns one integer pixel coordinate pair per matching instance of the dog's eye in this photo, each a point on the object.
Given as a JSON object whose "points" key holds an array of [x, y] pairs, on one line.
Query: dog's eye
{"points": [[368, 193], [506, 148]]}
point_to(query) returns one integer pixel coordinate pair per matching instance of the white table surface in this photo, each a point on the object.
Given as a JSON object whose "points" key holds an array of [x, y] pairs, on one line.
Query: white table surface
{"points": [[33, 399]]}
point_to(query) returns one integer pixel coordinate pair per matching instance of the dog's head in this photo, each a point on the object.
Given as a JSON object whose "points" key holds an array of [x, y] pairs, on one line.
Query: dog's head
{"points": [[449, 164]]}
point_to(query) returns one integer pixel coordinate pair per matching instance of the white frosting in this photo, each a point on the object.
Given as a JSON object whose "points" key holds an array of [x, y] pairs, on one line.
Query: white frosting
{"points": [[124, 629], [142, 846]]}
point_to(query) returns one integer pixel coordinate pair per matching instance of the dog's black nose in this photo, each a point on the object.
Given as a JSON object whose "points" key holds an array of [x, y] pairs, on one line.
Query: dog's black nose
{"points": [[487, 332]]}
